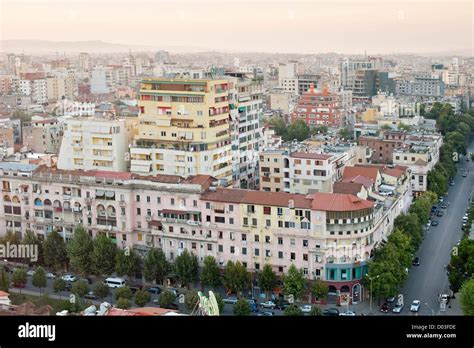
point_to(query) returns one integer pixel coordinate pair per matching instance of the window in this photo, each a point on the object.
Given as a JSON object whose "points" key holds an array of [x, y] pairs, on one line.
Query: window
{"points": [[305, 242], [244, 251], [268, 253], [267, 210], [209, 247], [232, 249], [279, 211], [305, 257], [292, 256], [267, 239], [280, 240], [292, 241], [158, 200], [221, 248], [193, 245], [231, 221], [139, 211], [172, 201], [257, 252], [257, 266], [148, 199], [219, 219], [246, 221], [208, 205], [137, 198], [280, 254], [254, 222], [257, 238], [231, 207], [268, 223]]}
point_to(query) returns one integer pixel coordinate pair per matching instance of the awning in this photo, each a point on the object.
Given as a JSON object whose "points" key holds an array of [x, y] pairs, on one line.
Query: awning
{"points": [[99, 193], [176, 212], [109, 194], [155, 223]]}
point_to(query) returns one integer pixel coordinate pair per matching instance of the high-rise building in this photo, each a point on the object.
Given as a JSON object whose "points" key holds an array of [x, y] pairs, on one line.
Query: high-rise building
{"points": [[84, 61], [184, 128]]}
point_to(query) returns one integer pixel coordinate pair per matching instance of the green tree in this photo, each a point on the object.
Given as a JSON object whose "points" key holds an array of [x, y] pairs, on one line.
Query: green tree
{"points": [[279, 126], [319, 130], [294, 283], [123, 303], [267, 279], [9, 237], [191, 299], [320, 289], [156, 267], [39, 279], [344, 133], [298, 130], [123, 292], [236, 277], [104, 252], [142, 297], [80, 250], [220, 302], [293, 311], [458, 140], [467, 297], [4, 280], [31, 239], [59, 285], [411, 226], [186, 267], [19, 278], [81, 288], [242, 308], [101, 290], [127, 262], [166, 299], [210, 274], [55, 255], [315, 311]]}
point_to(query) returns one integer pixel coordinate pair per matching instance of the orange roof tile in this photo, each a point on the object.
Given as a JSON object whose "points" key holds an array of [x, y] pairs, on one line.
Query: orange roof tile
{"points": [[339, 202], [368, 172], [347, 187]]}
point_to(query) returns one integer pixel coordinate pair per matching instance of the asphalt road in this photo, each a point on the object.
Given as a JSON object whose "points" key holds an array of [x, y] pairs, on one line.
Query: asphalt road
{"points": [[426, 281]]}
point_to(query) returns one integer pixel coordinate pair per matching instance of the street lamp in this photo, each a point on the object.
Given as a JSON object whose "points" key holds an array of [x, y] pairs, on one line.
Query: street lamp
{"points": [[432, 310], [371, 279]]}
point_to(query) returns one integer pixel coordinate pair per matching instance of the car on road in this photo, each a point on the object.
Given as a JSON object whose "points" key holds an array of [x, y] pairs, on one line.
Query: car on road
{"points": [[154, 290], [385, 307], [439, 213], [91, 296], [306, 308], [397, 308], [30, 273], [416, 261], [428, 224], [441, 199], [464, 174], [415, 306], [434, 223], [443, 205], [347, 314], [268, 304], [68, 287], [50, 275], [282, 305], [266, 314], [332, 312], [451, 183], [69, 278], [19, 285], [230, 300]]}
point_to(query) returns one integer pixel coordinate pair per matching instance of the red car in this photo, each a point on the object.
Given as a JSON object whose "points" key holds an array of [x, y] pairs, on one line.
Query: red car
{"points": [[20, 285], [385, 307]]}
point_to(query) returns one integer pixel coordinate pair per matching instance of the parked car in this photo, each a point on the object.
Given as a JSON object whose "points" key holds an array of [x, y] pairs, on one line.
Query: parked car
{"points": [[333, 312], [91, 296], [282, 305], [397, 308], [30, 273], [428, 224], [441, 199], [230, 300], [434, 223], [451, 183], [444, 205], [385, 307], [268, 304], [69, 278], [154, 290], [464, 174], [347, 314], [266, 314], [306, 308], [68, 287], [19, 285], [439, 213], [415, 306], [416, 261], [50, 275]]}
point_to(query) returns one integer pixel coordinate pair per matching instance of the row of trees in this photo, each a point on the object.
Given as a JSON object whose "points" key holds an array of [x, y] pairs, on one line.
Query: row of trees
{"points": [[388, 267]]}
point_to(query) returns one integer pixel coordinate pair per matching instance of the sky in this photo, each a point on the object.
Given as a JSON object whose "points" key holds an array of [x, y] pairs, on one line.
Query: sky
{"points": [[307, 26]]}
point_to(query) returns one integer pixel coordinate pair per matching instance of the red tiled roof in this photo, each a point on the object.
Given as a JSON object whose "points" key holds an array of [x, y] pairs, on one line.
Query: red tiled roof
{"points": [[347, 187], [3, 293], [339, 202], [280, 199], [310, 155], [368, 172], [395, 171], [359, 179]]}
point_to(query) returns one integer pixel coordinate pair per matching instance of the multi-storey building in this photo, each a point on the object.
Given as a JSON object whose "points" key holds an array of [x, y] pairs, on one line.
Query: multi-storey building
{"points": [[95, 144], [383, 145], [318, 108], [43, 135], [184, 128], [423, 86]]}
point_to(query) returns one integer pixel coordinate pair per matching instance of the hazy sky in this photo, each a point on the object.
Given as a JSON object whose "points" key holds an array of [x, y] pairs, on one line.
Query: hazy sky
{"points": [[311, 26]]}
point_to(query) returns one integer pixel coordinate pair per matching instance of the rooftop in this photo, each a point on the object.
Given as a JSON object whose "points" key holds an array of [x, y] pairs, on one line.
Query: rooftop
{"points": [[339, 202]]}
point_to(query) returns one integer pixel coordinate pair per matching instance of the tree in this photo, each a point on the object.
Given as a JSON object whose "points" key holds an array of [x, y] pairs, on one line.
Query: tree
{"points": [[293, 310], [127, 262], [267, 278], [123, 303], [39, 279], [319, 130], [279, 126], [320, 289], [80, 250], [410, 225], [210, 274], [81, 288], [31, 239], [155, 266], [344, 133], [242, 308], [59, 285], [104, 251], [9, 237], [4, 280], [294, 283], [220, 302], [191, 299], [236, 277], [55, 255], [21, 115], [298, 130], [19, 278], [186, 268], [315, 311], [166, 299], [123, 292], [142, 297], [467, 297], [101, 290], [458, 140]]}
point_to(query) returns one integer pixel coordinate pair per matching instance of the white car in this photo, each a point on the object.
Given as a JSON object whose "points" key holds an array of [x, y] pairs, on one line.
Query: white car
{"points": [[397, 308], [50, 275], [415, 306], [69, 278], [268, 304], [347, 314], [30, 273], [306, 308]]}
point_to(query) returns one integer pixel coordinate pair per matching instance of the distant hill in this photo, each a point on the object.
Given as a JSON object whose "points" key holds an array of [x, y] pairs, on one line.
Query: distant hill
{"points": [[95, 46]]}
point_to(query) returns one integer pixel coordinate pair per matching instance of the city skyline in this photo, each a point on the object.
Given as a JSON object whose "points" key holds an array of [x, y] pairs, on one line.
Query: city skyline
{"points": [[273, 27]]}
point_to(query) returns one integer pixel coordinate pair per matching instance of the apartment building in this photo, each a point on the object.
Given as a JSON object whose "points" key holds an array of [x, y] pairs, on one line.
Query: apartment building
{"points": [[423, 86], [43, 135], [95, 144], [383, 145], [184, 128], [7, 141]]}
